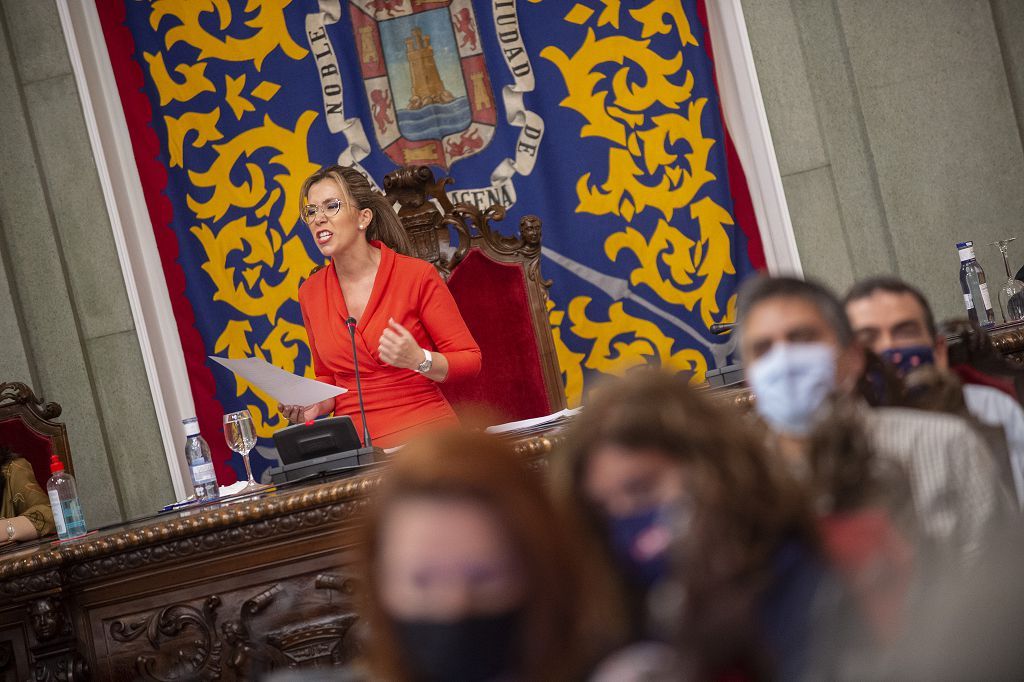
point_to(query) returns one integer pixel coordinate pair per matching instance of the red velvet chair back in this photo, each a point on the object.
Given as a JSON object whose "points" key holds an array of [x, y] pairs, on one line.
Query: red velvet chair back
{"points": [[497, 285], [27, 428]]}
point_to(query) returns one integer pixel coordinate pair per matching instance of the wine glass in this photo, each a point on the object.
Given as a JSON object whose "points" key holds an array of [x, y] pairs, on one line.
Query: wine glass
{"points": [[240, 434], [1011, 292]]}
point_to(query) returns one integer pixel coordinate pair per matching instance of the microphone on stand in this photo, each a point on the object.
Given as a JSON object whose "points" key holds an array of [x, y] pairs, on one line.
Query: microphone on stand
{"points": [[351, 324], [326, 446]]}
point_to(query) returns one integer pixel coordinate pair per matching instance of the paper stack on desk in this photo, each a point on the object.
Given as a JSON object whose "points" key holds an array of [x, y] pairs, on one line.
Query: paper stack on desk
{"points": [[285, 387], [528, 427]]}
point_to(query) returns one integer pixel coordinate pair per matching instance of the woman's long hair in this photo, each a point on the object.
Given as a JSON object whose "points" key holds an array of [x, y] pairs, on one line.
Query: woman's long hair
{"points": [[457, 465], [385, 225], [744, 506]]}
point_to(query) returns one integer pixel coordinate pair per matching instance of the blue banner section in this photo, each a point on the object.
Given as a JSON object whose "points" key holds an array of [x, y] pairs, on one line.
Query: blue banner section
{"points": [[600, 117]]}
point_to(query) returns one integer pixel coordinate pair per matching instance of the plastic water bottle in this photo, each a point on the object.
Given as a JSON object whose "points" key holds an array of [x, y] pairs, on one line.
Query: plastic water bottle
{"points": [[67, 510], [200, 463], [974, 287]]}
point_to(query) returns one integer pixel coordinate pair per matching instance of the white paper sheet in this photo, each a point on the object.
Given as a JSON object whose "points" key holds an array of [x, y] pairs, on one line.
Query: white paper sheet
{"points": [[286, 387], [536, 421]]}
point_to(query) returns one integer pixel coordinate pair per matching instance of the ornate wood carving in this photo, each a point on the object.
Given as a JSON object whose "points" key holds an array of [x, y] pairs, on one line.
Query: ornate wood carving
{"points": [[17, 393], [205, 531], [31, 584], [998, 351], [993, 351], [18, 400], [68, 666], [419, 197], [150, 601], [321, 641], [224, 538], [182, 536], [48, 619], [6, 658], [185, 642], [200, 661], [738, 397]]}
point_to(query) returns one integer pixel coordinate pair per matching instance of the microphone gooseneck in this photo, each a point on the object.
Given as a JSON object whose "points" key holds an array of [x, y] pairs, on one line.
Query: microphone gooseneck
{"points": [[351, 324]]}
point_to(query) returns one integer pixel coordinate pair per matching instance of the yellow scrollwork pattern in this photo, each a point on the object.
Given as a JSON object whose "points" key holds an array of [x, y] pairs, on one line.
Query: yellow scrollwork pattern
{"points": [[570, 362], [639, 101], [244, 194], [690, 262], [269, 23], [624, 342], [291, 155], [203, 124], [194, 80]]}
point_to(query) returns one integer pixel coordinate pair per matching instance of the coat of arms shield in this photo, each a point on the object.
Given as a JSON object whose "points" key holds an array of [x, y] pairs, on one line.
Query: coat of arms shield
{"points": [[426, 81]]}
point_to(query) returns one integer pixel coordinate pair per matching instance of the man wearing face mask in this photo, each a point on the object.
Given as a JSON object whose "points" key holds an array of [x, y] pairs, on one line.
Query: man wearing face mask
{"points": [[801, 354], [895, 321]]}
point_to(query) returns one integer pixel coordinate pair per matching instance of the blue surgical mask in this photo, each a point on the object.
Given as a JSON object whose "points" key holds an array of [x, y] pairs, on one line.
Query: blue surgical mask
{"points": [[906, 360], [640, 544], [791, 383]]}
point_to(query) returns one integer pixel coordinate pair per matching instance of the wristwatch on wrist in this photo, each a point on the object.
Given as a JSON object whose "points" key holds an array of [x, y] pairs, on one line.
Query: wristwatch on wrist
{"points": [[427, 363], [10, 531]]}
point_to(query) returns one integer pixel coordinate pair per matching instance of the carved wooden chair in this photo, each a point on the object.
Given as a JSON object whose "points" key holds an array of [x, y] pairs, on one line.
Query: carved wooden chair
{"points": [[28, 428], [991, 358], [497, 285]]}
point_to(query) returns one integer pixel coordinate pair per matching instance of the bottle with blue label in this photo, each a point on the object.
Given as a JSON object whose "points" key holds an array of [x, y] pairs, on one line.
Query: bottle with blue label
{"points": [[974, 287], [63, 493], [200, 462]]}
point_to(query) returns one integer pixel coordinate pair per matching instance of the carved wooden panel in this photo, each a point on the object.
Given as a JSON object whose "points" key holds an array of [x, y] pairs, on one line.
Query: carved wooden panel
{"points": [[15, 641], [219, 594], [13, 661], [237, 633]]}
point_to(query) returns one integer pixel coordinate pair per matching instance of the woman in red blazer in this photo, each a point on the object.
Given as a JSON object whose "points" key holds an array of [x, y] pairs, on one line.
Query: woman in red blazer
{"points": [[409, 334]]}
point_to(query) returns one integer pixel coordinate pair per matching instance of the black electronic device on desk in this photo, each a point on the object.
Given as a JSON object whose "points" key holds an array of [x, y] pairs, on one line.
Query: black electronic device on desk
{"points": [[326, 445], [319, 447]]}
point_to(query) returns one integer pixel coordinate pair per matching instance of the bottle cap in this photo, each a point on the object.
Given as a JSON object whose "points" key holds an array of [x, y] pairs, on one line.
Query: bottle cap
{"points": [[191, 426], [55, 464]]}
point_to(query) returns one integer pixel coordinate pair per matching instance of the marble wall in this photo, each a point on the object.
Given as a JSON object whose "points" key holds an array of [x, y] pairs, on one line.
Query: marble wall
{"points": [[897, 125], [66, 327]]}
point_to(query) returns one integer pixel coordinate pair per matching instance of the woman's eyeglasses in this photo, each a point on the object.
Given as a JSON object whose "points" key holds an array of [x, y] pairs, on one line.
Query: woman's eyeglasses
{"points": [[329, 208]]}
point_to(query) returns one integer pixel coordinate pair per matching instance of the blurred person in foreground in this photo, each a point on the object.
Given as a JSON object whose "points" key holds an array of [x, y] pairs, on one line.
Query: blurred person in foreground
{"points": [[894, 320], [469, 575], [867, 529], [714, 548], [801, 359], [972, 628]]}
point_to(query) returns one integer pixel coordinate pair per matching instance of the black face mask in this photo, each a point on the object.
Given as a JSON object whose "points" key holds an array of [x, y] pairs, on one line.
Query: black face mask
{"points": [[472, 649]]}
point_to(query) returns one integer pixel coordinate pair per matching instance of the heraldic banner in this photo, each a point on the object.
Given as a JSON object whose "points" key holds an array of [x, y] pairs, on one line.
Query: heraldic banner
{"points": [[602, 117]]}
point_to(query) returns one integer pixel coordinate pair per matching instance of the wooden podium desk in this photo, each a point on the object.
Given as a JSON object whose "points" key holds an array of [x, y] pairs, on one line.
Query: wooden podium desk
{"points": [[223, 592]]}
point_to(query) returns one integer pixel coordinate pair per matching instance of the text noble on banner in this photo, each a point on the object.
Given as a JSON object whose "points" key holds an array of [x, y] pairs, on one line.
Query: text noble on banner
{"points": [[601, 117]]}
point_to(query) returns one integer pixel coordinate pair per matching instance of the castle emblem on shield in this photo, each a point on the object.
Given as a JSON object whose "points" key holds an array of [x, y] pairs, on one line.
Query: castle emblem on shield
{"points": [[423, 68]]}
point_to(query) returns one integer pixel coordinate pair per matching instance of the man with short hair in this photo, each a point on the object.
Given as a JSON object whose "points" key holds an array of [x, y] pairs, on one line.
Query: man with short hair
{"points": [[799, 352], [894, 320]]}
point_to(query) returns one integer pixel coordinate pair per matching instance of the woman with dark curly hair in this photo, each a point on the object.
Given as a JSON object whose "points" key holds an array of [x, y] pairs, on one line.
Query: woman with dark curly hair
{"points": [[25, 512], [709, 536]]}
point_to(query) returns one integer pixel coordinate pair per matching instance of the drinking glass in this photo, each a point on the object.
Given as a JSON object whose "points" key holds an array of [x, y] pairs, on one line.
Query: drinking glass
{"points": [[1011, 292], [240, 435]]}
